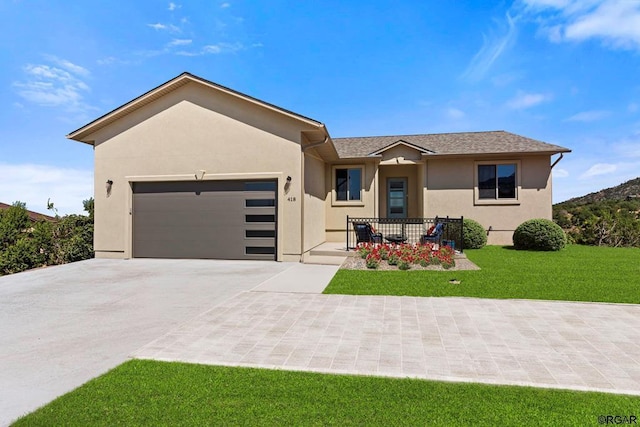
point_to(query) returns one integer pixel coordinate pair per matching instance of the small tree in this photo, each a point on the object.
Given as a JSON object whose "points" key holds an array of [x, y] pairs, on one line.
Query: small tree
{"points": [[89, 206], [13, 222]]}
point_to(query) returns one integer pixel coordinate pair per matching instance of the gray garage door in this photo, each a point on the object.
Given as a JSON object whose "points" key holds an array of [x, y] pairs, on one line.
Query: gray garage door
{"points": [[205, 219]]}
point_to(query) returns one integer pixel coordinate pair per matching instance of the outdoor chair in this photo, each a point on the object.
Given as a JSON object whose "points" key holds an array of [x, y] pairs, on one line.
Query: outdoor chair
{"points": [[435, 236], [365, 233]]}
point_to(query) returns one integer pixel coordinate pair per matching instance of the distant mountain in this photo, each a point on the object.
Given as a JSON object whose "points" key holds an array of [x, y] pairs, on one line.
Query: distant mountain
{"points": [[629, 189]]}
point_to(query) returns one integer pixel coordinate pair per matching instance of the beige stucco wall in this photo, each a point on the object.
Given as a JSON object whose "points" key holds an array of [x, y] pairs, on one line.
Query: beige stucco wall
{"points": [[401, 152], [315, 196], [450, 191], [190, 129], [336, 212]]}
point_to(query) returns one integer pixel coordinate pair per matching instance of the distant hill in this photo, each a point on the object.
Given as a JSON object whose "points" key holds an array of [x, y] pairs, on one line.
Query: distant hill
{"points": [[629, 189]]}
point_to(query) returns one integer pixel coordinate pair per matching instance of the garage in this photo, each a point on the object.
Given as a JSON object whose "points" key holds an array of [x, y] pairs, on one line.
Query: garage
{"points": [[205, 219]]}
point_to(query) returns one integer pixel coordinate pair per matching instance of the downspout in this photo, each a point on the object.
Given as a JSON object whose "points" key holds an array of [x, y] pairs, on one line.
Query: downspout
{"points": [[302, 205], [557, 160], [302, 198]]}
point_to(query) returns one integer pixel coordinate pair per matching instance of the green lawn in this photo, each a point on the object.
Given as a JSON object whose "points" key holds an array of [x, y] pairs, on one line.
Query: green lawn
{"points": [[160, 393], [577, 273]]}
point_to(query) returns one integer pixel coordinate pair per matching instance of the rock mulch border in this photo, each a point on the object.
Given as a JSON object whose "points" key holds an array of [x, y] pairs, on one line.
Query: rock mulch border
{"points": [[358, 263]]}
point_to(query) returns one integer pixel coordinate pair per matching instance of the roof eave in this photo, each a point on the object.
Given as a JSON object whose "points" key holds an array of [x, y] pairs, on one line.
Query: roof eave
{"points": [[498, 153], [82, 133]]}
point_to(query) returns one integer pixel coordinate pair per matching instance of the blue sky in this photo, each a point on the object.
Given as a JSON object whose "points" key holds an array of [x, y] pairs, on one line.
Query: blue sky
{"points": [[561, 71]]}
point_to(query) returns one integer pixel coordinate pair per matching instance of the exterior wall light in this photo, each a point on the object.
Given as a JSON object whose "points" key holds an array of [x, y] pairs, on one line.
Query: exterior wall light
{"points": [[108, 186]]}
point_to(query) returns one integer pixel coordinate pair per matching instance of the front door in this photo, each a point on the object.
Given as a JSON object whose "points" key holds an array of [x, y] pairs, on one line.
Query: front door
{"points": [[396, 197]]}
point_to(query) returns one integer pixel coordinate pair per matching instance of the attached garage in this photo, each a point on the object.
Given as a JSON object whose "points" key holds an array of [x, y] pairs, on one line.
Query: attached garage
{"points": [[205, 219], [192, 169]]}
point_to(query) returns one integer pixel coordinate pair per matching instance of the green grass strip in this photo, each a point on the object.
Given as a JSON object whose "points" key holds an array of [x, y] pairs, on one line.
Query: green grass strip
{"points": [[176, 394], [577, 273]]}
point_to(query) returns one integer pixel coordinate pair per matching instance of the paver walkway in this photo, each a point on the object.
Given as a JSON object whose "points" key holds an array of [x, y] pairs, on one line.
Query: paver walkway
{"points": [[538, 343]]}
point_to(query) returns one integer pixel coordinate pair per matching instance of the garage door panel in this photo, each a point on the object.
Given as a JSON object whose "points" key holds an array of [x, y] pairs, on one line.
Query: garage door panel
{"points": [[204, 219]]}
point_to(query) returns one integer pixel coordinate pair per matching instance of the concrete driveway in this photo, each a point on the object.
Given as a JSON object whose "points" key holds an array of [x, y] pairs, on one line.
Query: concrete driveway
{"points": [[61, 326]]}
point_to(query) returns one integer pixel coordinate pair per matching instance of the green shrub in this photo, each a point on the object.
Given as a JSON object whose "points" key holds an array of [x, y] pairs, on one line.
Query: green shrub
{"points": [[474, 235], [13, 222], [20, 256], [540, 235], [72, 239]]}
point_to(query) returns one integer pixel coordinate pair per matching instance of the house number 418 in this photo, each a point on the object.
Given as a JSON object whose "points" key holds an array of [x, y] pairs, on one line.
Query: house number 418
{"points": [[291, 199]]}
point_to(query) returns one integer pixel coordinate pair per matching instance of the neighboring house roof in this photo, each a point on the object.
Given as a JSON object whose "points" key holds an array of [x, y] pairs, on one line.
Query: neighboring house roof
{"points": [[33, 216], [82, 133], [492, 142]]}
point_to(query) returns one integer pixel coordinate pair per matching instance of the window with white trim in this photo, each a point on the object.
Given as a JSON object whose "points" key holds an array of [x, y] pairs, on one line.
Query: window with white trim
{"points": [[348, 184], [498, 181]]}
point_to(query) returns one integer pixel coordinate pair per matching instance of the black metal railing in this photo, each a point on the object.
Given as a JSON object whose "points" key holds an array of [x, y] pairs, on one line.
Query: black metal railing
{"points": [[404, 230]]}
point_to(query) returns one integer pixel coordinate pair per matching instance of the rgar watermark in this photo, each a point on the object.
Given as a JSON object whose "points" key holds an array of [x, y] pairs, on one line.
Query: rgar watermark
{"points": [[617, 419]]}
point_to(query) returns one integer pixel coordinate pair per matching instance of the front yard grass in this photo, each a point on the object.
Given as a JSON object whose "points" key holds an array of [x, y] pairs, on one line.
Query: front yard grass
{"points": [[142, 392], [576, 273]]}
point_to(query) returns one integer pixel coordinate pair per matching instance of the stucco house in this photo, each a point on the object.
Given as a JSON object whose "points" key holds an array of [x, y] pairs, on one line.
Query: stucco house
{"points": [[192, 169]]}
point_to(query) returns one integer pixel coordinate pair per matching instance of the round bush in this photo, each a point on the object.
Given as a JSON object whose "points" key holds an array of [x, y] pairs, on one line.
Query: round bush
{"points": [[474, 235], [539, 235]]}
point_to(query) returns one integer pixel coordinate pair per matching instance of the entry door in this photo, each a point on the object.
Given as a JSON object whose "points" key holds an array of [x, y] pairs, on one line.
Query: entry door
{"points": [[396, 197]]}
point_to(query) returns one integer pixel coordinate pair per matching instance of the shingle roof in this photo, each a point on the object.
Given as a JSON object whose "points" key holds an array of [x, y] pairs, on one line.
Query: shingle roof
{"points": [[492, 142], [33, 216]]}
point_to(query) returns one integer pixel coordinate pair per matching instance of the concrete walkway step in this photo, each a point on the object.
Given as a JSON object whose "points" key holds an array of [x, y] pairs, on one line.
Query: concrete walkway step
{"points": [[299, 278], [324, 259]]}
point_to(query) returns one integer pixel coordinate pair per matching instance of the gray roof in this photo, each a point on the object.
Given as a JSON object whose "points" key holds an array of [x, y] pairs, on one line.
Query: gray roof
{"points": [[492, 142]]}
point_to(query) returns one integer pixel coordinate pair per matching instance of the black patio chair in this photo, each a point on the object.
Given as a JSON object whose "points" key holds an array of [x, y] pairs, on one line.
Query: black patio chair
{"points": [[365, 233], [435, 236]]}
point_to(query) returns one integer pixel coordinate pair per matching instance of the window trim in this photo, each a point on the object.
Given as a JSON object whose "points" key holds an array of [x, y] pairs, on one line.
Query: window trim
{"points": [[334, 194], [476, 190]]}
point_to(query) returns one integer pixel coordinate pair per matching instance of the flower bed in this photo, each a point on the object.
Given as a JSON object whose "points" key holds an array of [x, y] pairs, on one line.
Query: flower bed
{"points": [[405, 256]]}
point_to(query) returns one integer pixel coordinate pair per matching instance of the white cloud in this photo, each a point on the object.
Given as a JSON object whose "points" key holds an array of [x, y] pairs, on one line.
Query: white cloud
{"points": [[632, 107], [589, 116], [34, 184], [172, 6], [179, 42], [164, 27], [615, 22], [560, 173], [493, 46], [599, 169], [524, 100], [49, 86], [222, 48], [454, 113], [225, 5], [187, 53], [213, 49], [68, 65]]}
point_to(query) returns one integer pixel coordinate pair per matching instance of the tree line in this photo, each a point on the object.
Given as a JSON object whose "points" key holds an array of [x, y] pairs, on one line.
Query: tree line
{"points": [[26, 244], [600, 223]]}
